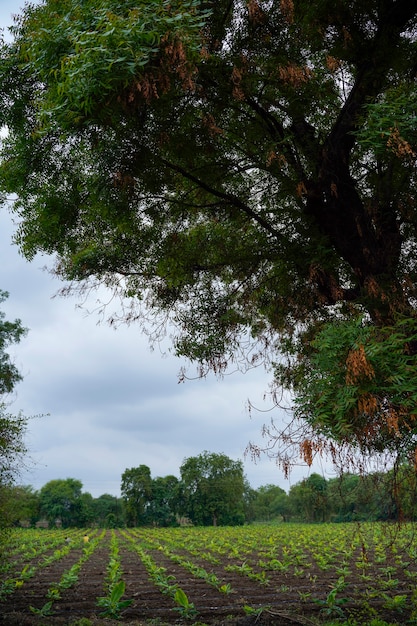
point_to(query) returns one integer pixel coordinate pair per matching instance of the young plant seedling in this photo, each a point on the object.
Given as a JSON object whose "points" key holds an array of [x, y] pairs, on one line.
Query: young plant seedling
{"points": [[112, 604], [44, 611], [332, 605], [185, 607]]}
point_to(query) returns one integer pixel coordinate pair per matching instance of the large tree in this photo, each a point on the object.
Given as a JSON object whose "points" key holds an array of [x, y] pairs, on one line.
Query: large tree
{"points": [[136, 489], [107, 511], [23, 504], [270, 502], [242, 168], [163, 508], [213, 488], [61, 501]]}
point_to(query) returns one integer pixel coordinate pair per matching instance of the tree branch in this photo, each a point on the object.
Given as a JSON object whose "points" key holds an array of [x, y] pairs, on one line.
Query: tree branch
{"points": [[228, 197]]}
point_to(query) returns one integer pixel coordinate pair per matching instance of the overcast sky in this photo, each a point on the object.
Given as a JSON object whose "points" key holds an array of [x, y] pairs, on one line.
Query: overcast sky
{"points": [[113, 404]]}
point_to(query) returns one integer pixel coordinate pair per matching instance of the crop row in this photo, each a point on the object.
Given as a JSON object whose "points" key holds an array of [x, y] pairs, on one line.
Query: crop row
{"points": [[289, 548], [336, 568], [365, 562], [40, 554]]}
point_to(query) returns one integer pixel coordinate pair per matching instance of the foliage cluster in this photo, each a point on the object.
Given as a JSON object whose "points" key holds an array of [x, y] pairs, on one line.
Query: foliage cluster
{"points": [[12, 427], [242, 169]]}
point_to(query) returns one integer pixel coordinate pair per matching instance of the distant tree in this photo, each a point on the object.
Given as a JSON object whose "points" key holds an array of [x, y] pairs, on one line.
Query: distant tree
{"points": [[404, 492], [234, 166], [163, 507], [385, 496], [308, 499], [344, 497], [270, 502], [298, 501], [61, 500], [375, 496], [86, 513], [366, 497], [136, 489], [249, 499], [108, 511], [213, 487], [23, 504]]}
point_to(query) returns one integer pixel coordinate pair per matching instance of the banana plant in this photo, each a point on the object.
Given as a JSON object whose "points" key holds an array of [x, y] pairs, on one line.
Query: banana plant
{"points": [[113, 604], [185, 607]]}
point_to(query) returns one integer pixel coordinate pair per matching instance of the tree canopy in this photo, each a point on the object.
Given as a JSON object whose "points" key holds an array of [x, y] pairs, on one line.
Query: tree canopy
{"points": [[12, 427], [10, 333], [243, 169], [136, 491], [211, 491], [62, 500], [213, 487]]}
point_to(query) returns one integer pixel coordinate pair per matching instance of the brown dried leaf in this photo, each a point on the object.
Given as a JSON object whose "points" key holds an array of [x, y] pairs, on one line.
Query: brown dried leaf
{"points": [[358, 366]]}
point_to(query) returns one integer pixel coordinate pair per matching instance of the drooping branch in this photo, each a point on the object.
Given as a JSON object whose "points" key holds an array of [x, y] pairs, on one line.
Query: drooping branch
{"points": [[228, 197]]}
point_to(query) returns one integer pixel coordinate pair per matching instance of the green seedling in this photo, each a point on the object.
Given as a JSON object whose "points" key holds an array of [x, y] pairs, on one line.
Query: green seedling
{"points": [[275, 564], [27, 572], [164, 583], [391, 583], [53, 593], [227, 588], [113, 569], [68, 579], [7, 587], [185, 607], [343, 571], [112, 604], [395, 603], [253, 611], [299, 572], [332, 605], [44, 611], [304, 595]]}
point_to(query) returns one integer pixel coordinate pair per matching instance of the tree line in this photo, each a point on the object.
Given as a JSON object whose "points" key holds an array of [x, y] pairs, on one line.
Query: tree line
{"points": [[212, 490]]}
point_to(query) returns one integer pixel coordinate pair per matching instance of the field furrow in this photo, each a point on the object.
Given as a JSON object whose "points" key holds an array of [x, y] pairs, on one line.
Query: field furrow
{"points": [[266, 575]]}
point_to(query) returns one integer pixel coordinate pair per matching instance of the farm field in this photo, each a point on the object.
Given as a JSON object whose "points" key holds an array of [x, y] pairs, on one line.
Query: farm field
{"points": [[285, 574]]}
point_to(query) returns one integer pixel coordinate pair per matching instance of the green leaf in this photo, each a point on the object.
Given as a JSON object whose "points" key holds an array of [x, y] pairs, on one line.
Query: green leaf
{"points": [[181, 598]]}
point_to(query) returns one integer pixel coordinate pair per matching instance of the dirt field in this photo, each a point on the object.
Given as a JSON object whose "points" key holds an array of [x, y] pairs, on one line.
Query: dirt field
{"points": [[295, 596]]}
